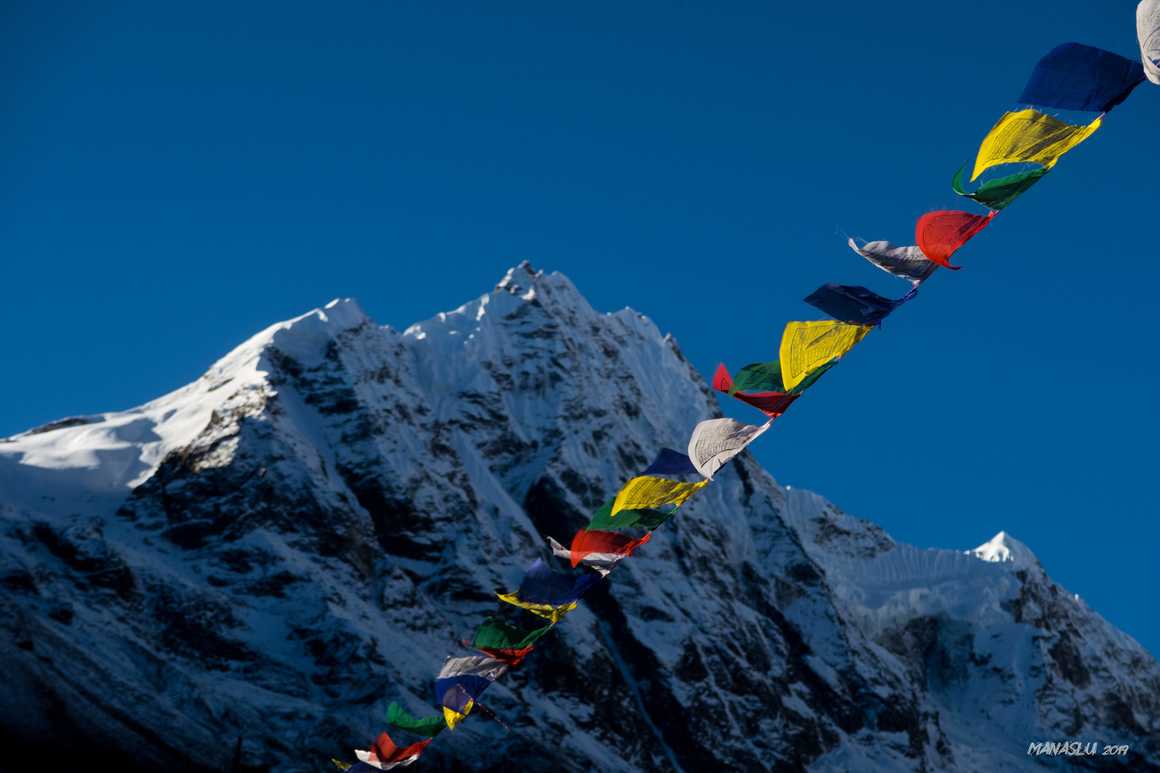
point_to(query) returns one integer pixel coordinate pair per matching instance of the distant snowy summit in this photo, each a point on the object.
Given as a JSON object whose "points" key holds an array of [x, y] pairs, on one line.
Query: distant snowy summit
{"points": [[1004, 547], [265, 558]]}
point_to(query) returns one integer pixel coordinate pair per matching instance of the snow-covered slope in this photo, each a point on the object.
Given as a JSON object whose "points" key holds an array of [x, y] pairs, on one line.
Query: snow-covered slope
{"points": [[279, 549]]}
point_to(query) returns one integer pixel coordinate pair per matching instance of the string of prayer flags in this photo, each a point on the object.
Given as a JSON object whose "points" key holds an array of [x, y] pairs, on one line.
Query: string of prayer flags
{"points": [[998, 193], [854, 305], [1031, 137], [903, 262], [400, 718], [647, 492], [1148, 32], [603, 520], [670, 462], [384, 754], [1078, 77], [940, 234], [807, 346], [716, 441], [1070, 77]]}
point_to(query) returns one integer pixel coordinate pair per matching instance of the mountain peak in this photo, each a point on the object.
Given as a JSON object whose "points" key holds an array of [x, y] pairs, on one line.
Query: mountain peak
{"points": [[326, 510], [524, 272], [1003, 548], [345, 313]]}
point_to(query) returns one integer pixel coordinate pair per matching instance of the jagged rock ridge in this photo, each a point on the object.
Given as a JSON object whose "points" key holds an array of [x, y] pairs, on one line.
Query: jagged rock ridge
{"points": [[277, 550]]}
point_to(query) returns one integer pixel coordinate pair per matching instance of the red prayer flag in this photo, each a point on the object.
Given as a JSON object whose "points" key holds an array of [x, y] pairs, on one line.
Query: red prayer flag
{"points": [[385, 750], [772, 404], [940, 234], [722, 381], [587, 542]]}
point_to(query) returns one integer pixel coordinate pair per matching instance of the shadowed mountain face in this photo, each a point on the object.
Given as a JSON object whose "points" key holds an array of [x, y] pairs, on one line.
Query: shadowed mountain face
{"points": [[276, 551]]}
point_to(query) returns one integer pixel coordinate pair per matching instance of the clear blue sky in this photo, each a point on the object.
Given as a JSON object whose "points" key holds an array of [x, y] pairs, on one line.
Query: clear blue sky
{"points": [[174, 179]]}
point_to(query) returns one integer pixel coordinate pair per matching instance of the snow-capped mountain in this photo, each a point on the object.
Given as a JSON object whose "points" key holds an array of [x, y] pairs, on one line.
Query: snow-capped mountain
{"points": [[248, 570]]}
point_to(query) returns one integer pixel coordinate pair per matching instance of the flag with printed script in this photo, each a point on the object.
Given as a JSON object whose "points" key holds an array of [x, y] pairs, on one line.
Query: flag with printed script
{"points": [[807, 346], [998, 193], [940, 234], [853, 304], [1073, 76], [1028, 137], [647, 492], [903, 262], [603, 520], [715, 442], [1148, 32]]}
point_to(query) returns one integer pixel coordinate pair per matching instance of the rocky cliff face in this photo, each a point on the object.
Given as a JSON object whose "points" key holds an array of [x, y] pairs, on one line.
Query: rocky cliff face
{"points": [[279, 549]]}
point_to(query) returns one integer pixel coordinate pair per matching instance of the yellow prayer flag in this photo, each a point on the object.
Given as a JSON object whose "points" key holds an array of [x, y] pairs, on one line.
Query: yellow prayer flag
{"points": [[453, 717], [1029, 136], [807, 346], [546, 611], [647, 492]]}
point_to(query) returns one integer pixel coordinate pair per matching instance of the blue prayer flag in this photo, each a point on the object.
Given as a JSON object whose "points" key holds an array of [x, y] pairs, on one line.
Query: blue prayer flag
{"points": [[1078, 77], [670, 462], [855, 305]]}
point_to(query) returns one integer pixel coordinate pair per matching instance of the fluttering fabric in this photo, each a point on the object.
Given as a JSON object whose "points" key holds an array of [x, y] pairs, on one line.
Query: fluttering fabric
{"points": [[462, 680], [508, 641], [853, 304], [762, 377], [940, 234], [670, 462], [384, 754], [598, 550], [1148, 32], [550, 594], [754, 377], [400, 718], [807, 346], [1078, 77], [716, 441], [772, 403], [603, 520], [903, 262], [647, 492], [996, 194], [453, 717], [1029, 137]]}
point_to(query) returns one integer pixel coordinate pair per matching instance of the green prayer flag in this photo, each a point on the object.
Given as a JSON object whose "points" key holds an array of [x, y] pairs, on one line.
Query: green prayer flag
{"points": [[758, 377], [427, 727], [602, 519], [495, 633], [998, 193]]}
